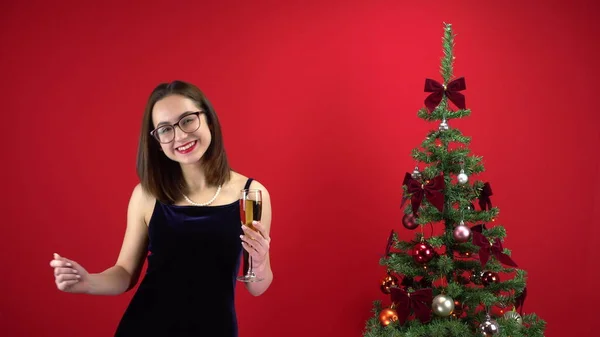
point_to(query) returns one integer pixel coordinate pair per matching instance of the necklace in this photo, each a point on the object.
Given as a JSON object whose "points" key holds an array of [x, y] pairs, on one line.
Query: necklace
{"points": [[206, 203]]}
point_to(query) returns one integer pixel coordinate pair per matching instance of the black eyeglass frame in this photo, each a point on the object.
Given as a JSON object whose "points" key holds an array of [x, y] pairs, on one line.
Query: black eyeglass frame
{"points": [[196, 113]]}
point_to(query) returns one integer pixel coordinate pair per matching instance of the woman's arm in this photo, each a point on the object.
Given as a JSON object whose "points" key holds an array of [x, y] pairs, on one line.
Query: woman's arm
{"points": [[261, 262], [125, 273]]}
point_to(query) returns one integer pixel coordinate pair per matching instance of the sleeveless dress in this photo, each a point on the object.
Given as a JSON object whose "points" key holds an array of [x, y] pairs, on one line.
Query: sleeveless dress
{"points": [[189, 286]]}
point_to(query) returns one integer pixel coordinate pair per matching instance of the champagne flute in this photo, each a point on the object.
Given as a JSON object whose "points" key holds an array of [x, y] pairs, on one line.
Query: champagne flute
{"points": [[250, 210]]}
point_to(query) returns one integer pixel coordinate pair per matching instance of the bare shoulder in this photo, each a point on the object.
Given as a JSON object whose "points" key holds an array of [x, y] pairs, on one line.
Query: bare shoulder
{"points": [[238, 181], [142, 203]]}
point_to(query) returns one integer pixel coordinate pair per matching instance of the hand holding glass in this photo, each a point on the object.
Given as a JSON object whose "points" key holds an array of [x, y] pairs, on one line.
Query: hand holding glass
{"points": [[250, 210]]}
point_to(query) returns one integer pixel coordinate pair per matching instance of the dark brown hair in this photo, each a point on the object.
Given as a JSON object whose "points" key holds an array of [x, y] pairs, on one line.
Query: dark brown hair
{"points": [[161, 176]]}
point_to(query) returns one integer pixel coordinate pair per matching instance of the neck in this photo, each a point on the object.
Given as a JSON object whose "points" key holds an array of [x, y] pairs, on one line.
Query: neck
{"points": [[194, 177]]}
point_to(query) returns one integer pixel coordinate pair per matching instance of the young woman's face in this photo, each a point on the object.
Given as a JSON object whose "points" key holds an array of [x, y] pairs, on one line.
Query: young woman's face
{"points": [[186, 142]]}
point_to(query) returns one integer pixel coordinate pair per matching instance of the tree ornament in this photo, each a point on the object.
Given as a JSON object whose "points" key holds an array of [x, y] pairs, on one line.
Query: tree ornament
{"points": [[443, 125], [462, 177], [416, 173], [423, 252], [476, 277], [458, 309], [465, 254], [460, 279], [461, 233], [388, 282], [513, 315], [489, 327], [409, 221], [489, 277], [443, 305], [387, 316]]}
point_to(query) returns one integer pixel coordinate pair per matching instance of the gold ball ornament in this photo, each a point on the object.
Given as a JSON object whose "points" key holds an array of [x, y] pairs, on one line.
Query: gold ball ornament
{"points": [[443, 305], [513, 315], [387, 316]]}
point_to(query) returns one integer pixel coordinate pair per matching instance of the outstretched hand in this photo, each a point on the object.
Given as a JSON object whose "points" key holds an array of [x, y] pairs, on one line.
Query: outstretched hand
{"points": [[69, 275]]}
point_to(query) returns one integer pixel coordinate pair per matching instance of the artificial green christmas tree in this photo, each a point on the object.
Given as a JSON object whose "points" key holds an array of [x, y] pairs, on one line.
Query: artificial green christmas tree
{"points": [[460, 282]]}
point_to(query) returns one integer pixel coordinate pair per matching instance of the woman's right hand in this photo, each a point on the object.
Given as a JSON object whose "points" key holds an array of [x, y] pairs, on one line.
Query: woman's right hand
{"points": [[69, 276]]}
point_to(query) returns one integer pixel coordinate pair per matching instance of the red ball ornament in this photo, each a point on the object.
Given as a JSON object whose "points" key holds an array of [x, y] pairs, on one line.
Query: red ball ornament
{"points": [[458, 309], [409, 221], [388, 282], [476, 277], [489, 277], [423, 252], [387, 316]]}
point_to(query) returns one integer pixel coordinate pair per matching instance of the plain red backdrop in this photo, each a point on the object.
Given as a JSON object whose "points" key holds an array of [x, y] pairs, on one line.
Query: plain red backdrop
{"points": [[318, 101]]}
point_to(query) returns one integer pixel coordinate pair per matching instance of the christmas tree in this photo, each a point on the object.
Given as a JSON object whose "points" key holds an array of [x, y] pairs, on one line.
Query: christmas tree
{"points": [[461, 281]]}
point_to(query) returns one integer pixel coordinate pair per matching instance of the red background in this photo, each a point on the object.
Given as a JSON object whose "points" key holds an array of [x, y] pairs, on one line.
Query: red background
{"points": [[318, 101]]}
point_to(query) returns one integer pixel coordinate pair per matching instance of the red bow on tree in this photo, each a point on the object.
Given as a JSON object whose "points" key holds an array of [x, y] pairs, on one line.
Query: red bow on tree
{"points": [[520, 300], [486, 248], [433, 190], [484, 197], [418, 301], [451, 90], [389, 244]]}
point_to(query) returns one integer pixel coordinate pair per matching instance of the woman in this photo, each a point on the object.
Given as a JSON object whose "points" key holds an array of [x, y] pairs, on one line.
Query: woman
{"points": [[185, 214]]}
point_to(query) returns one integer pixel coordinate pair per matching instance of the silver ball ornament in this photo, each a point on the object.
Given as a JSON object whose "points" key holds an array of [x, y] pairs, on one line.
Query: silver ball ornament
{"points": [[416, 173], [489, 327], [443, 125], [461, 233], [443, 305], [462, 177], [513, 315]]}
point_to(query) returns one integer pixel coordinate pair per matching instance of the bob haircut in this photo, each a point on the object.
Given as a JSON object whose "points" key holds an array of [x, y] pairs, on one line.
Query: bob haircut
{"points": [[161, 176]]}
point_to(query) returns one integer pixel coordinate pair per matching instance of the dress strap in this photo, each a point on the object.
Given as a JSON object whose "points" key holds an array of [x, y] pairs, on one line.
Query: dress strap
{"points": [[248, 183]]}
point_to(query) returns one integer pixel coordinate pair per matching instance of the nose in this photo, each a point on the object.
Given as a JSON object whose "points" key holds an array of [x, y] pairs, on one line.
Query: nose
{"points": [[179, 134]]}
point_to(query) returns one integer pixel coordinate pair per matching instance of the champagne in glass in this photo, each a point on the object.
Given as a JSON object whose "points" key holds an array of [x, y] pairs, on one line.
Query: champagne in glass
{"points": [[250, 210]]}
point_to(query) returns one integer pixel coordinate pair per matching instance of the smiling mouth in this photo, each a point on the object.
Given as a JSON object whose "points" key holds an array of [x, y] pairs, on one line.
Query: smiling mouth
{"points": [[187, 147]]}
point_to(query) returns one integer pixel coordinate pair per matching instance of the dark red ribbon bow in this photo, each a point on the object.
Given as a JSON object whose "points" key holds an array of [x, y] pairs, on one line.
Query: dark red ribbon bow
{"points": [[484, 197], [485, 248], [418, 301], [451, 91], [389, 244], [432, 190], [520, 300]]}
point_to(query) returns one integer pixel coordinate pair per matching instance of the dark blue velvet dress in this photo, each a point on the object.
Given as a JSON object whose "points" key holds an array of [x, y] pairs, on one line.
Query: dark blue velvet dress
{"points": [[188, 289]]}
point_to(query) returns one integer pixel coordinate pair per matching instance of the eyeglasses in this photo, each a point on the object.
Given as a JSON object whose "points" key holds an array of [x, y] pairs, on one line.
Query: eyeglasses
{"points": [[187, 123]]}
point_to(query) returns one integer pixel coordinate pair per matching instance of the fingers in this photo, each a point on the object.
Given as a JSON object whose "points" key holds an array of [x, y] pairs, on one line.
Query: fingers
{"points": [[60, 263], [66, 284], [261, 229], [68, 262], [67, 277], [255, 242], [250, 249], [254, 239], [58, 271], [65, 272]]}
